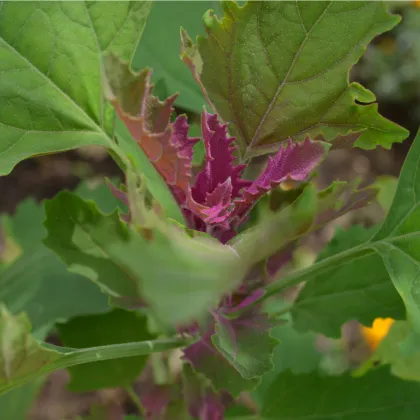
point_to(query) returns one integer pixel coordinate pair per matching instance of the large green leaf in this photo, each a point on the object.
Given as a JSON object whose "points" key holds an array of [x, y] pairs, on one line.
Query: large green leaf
{"points": [[37, 282], [181, 277], [160, 47], [50, 60], [391, 255], [359, 290], [280, 69], [296, 353], [17, 403], [115, 327], [23, 358], [376, 396]]}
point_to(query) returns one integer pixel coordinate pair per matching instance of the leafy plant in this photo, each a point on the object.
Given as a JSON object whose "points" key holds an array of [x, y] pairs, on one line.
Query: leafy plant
{"points": [[180, 285]]}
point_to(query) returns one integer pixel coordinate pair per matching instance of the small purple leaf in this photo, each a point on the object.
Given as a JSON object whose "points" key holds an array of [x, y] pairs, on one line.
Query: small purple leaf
{"points": [[293, 161]]}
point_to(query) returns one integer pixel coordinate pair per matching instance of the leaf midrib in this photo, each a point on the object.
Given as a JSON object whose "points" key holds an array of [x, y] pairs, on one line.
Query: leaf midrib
{"points": [[284, 81]]}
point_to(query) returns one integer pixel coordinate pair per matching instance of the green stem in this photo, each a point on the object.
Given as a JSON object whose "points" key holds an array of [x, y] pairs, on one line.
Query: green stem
{"points": [[136, 400], [283, 311], [299, 276], [95, 354]]}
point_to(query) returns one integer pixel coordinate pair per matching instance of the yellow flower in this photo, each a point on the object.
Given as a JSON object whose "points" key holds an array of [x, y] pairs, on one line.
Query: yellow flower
{"points": [[417, 3], [378, 332]]}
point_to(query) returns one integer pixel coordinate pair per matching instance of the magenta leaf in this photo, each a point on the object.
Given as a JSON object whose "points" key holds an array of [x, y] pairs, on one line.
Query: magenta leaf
{"points": [[219, 183], [293, 161], [218, 206], [220, 199]]}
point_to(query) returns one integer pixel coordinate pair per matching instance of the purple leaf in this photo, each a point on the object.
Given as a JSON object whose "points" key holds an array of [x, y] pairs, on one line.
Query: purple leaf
{"points": [[219, 166], [203, 403], [218, 206], [293, 161], [219, 154]]}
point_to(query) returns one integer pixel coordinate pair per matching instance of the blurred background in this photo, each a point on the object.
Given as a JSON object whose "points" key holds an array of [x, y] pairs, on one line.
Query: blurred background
{"points": [[390, 68]]}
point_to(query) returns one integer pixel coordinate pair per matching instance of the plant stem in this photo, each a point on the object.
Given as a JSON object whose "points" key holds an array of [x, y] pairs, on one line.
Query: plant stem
{"points": [[299, 276], [136, 400], [73, 357], [283, 311]]}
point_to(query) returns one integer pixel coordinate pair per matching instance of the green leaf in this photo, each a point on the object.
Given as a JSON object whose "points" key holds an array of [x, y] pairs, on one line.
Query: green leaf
{"points": [[115, 327], [179, 276], [50, 60], [376, 396], [23, 358], [387, 186], [37, 282], [263, 240], [389, 351], [358, 290], [390, 257], [281, 69], [223, 375], [249, 349], [17, 403], [20, 353], [309, 212], [295, 352], [160, 47]]}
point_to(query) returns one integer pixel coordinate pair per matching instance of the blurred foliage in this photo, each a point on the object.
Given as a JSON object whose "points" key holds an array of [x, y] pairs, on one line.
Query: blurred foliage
{"points": [[391, 65]]}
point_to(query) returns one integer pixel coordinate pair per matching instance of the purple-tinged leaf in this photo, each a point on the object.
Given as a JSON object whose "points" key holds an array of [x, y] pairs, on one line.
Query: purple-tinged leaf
{"points": [[219, 160], [218, 208], [245, 342], [192, 59], [155, 399], [221, 199], [235, 352], [203, 403], [293, 161], [210, 201], [166, 144], [206, 359], [117, 193]]}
